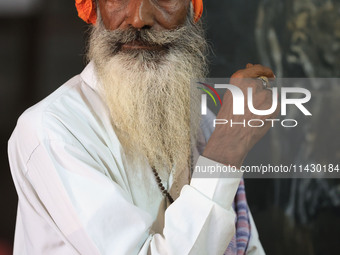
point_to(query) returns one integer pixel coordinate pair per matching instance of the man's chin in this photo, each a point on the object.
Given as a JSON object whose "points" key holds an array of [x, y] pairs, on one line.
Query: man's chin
{"points": [[146, 57]]}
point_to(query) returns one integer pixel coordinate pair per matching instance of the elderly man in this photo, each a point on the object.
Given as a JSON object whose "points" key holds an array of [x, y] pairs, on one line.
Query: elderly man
{"points": [[102, 165]]}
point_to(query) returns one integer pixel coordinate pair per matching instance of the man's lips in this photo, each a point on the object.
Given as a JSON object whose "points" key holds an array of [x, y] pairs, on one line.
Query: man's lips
{"points": [[137, 45]]}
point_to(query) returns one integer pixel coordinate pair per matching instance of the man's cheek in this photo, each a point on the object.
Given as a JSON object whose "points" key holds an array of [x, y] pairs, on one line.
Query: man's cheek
{"points": [[171, 15], [113, 18]]}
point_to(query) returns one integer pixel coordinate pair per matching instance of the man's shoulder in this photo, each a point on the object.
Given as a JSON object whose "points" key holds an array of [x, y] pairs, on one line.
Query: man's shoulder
{"points": [[51, 118], [35, 114]]}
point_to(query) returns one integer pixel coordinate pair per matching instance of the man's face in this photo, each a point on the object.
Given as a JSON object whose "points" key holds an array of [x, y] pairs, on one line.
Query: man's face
{"points": [[158, 14]]}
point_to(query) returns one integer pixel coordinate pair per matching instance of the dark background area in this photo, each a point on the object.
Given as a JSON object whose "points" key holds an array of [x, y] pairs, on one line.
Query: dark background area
{"points": [[43, 46]]}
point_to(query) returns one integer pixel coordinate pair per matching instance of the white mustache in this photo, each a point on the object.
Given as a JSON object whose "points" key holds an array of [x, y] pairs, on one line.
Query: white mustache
{"points": [[188, 37]]}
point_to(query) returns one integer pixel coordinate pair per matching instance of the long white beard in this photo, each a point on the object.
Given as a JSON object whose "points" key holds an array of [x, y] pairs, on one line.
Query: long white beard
{"points": [[148, 93]]}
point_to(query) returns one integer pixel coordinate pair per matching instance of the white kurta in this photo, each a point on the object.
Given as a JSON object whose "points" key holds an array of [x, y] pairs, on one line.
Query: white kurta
{"points": [[79, 195]]}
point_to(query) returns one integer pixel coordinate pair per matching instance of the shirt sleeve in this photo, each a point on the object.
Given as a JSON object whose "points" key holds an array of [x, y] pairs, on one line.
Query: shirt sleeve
{"points": [[221, 188], [96, 216], [222, 191]]}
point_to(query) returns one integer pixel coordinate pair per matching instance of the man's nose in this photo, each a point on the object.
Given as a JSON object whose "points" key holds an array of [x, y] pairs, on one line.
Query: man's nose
{"points": [[140, 14]]}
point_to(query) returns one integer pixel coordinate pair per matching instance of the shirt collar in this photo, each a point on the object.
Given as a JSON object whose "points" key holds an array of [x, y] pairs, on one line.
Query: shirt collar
{"points": [[88, 75]]}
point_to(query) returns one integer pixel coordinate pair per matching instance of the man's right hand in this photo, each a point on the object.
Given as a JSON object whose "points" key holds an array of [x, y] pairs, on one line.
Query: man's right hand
{"points": [[230, 145]]}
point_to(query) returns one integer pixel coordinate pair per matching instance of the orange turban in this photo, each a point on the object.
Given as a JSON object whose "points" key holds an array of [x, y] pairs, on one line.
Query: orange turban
{"points": [[87, 10]]}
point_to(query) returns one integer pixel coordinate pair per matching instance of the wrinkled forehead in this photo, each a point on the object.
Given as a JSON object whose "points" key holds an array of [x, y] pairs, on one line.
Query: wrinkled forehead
{"points": [[87, 9]]}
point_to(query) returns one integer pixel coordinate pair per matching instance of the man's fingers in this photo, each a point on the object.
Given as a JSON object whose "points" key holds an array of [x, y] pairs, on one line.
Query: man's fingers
{"points": [[249, 65], [263, 71], [254, 71]]}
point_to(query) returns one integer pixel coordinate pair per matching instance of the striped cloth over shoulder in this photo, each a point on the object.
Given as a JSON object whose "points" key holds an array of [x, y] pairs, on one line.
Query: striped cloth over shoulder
{"points": [[239, 243]]}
